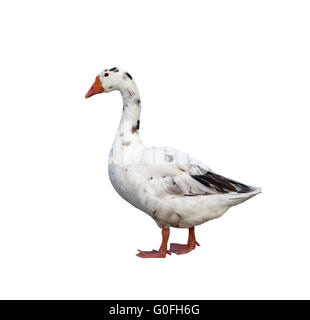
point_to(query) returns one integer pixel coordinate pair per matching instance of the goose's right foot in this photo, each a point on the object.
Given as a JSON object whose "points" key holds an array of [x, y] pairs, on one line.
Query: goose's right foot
{"points": [[162, 252], [185, 248], [182, 248]]}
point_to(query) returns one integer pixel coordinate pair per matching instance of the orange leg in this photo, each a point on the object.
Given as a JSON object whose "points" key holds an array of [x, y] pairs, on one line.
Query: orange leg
{"points": [[185, 248], [161, 253]]}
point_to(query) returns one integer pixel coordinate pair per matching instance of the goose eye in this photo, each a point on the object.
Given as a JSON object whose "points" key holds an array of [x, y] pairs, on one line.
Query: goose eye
{"points": [[106, 74]]}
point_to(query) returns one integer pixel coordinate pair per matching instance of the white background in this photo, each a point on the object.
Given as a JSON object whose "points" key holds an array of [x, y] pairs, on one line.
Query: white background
{"points": [[225, 81]]}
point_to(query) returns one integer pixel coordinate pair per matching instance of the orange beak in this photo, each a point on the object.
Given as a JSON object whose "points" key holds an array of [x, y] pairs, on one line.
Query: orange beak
{"points": [[95, 88]]}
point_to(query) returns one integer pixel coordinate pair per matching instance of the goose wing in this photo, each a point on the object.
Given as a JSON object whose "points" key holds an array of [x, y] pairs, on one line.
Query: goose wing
{"points": [[170, 172]]}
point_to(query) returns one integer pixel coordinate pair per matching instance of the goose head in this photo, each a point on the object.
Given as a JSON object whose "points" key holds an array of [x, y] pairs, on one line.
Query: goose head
{"points": [[109, 80]]}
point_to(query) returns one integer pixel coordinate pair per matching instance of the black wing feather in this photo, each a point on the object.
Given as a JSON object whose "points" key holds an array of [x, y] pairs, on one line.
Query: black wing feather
{"points": [[220, 183]]}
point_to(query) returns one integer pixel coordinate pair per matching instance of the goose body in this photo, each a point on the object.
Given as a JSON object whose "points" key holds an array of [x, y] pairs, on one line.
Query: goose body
{"points": [[176, 191], [170, 186]]}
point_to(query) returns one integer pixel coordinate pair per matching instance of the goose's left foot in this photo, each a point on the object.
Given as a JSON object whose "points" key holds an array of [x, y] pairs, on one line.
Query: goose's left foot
{"points": [[162, 252], [153, 254], [185, 248]]}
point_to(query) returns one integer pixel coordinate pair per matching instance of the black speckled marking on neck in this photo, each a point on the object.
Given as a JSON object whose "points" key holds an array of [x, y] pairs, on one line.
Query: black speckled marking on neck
{"points": [[135, 128], [138, 102], [128, 75]]}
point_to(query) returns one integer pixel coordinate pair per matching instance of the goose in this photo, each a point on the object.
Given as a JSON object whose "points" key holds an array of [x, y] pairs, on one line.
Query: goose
{"points": [[170, 186]]}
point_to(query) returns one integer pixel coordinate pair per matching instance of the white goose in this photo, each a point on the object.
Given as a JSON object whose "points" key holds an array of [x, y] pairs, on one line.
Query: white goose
{"points": [[170, 186]]}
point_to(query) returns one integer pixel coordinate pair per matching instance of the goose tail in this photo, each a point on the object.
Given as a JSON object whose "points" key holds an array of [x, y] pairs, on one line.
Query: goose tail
{"points": [[237, 198]]}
